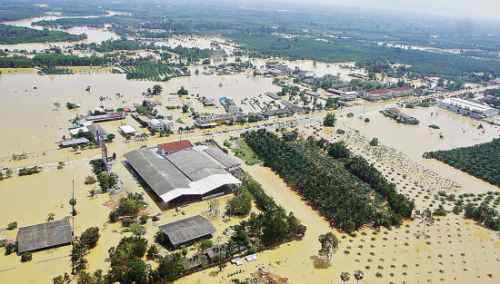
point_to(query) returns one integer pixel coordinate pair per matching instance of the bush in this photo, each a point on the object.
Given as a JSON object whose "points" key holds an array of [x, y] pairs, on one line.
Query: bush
{"points": [[27, 256], [329, 120], [12, 226], [374, 142], [90, 180], [10, 248], [153, 252], [90, 237]]}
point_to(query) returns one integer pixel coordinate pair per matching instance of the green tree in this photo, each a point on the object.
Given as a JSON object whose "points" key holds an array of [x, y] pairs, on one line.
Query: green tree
{"points": [[330, 120], [78, 253], [90, 237], [157, 89], [241, 204], [171, 267]]}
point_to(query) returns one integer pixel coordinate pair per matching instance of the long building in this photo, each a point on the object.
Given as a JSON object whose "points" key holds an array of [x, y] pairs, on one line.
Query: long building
{"points": [[185, 175], [386, 94], [464, 107]]}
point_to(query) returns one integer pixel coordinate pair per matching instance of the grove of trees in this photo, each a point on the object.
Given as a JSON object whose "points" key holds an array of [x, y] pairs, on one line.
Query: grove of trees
{"points": [[345, 199], [481, 161]]}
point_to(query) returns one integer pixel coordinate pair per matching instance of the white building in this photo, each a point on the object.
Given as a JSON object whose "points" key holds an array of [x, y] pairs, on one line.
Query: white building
{"points": [[469, 108], [159, 125], [127, 130]]}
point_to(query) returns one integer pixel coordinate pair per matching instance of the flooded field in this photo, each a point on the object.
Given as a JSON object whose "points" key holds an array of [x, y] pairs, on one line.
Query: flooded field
{"points": [[35, 123], [450, 251], [94, 35], [414, 140]]}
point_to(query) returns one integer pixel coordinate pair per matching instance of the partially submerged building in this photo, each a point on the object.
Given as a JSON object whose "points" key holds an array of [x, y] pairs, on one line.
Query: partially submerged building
{"points": [[187, 230], [44, 236], [74, 142], [464, 107], [386, 94], [106, 117], [185, 175], [398, 116]]}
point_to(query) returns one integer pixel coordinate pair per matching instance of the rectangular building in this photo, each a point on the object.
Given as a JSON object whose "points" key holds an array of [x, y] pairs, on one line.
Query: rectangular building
{"points": [[44, 236], [184, 175], [464, 107]]}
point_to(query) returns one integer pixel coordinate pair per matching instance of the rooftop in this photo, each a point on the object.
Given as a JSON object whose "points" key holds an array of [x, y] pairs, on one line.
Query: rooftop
{"points": [[473, 106], [42, 236], [187, 230], [173, 147], [191, 171]]}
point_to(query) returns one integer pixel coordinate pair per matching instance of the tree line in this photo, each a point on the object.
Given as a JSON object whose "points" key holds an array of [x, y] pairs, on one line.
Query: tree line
{"points": [[481, 161], [14, 35]]}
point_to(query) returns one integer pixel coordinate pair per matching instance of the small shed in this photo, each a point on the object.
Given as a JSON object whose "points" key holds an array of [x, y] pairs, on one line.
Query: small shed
{"points": [[127, 130], [44, 236], [187, 230]]}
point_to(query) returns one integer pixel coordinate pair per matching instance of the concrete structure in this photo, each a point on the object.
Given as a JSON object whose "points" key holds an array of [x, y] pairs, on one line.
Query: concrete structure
{"points": [[464, 107], [187, 230], [44, 236], [187, 174]]}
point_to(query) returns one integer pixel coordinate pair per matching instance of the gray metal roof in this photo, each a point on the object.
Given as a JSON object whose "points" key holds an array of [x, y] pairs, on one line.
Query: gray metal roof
{"points": [[186, 172], [159, 173], [74, 142], [196, 164], [226, 160], [44, 235], [186, 230]]}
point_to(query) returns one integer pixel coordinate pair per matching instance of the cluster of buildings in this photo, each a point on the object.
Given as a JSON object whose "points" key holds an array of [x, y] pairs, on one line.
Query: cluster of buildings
{"points": [[468, 108], [154, 124]]}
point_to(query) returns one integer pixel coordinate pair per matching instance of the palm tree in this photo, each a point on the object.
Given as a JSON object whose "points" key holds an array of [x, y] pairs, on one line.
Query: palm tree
{"points": [[345, 276], [359, 275]]}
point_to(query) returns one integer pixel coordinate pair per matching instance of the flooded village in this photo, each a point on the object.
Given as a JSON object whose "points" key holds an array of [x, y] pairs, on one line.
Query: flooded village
{"points": [[169, 161]]}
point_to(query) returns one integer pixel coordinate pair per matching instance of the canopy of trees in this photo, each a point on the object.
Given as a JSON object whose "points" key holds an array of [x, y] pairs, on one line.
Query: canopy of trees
{"points": [[13, 35], [481, 161], [340, 196]]}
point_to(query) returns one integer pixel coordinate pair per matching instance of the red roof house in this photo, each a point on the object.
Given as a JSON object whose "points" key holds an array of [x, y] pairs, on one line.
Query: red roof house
{"points": [[172, 147]]}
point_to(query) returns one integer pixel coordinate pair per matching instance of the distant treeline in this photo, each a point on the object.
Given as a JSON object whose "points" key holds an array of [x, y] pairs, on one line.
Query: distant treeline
{"points": [[51, 59], [13, 35], [96, 22], [421, 62], [112, 45]]}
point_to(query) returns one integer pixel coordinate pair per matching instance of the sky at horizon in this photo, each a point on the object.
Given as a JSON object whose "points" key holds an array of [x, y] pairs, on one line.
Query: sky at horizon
{"points": [[473, 9]]}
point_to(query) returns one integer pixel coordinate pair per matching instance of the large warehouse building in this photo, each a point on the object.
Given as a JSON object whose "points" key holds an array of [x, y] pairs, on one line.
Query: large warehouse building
{"points": [[183, 175], [464, 107]]}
